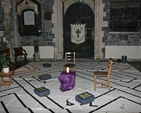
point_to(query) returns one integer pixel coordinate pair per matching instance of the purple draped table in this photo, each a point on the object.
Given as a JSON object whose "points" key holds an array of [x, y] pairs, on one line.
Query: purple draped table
{"points": [[67, 80]]}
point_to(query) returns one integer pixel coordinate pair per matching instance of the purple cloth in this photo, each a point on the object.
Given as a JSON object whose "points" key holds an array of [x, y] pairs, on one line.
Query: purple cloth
{"points": [[67, 80]]}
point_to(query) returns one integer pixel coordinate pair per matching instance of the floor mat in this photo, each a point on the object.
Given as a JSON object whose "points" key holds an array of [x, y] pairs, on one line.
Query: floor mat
{"points": [[124, 96]]}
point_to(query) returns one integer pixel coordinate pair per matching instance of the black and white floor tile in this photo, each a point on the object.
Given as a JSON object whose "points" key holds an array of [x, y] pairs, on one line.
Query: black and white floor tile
{"points": [[124, 96]]}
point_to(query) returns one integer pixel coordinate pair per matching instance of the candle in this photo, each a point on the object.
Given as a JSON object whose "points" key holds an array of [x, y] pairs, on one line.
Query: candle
{"points": [[67, 69]]}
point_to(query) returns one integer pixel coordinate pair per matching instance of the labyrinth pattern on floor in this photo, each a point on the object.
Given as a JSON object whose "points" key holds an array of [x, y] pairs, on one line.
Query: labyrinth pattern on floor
{"points": [[124, 96]]}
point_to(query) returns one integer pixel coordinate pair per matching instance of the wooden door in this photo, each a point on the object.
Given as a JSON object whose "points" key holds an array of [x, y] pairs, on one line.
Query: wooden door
{"points": [[79, 13]]}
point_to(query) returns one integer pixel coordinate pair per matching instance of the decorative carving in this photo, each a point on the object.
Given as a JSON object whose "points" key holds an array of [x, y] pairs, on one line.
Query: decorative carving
{"points": [[26, 26]]}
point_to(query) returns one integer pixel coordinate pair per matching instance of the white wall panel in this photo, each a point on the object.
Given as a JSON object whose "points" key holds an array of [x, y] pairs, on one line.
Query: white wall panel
{"points": [[118, 51], [44, 51]]}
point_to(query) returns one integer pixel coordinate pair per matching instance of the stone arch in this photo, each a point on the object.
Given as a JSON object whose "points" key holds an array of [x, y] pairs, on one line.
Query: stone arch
{"points": [[79, 13], [60, 7]]}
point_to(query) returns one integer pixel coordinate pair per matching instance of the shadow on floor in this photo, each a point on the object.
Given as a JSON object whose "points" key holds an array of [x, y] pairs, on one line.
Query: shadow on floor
{"points": [[136, 65]]}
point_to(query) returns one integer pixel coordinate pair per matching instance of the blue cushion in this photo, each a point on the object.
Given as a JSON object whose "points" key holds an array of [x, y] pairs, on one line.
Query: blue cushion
{"points": [[45, 76], [84, 98], [42, 91]]}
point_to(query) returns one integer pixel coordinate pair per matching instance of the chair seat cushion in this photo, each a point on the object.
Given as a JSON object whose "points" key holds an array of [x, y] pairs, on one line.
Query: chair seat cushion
{"points": [[44, 76], [42, 91], [84, 98]]}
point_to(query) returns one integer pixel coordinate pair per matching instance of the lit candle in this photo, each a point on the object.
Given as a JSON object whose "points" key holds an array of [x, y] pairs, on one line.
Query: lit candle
{"points": [[67, 69]]}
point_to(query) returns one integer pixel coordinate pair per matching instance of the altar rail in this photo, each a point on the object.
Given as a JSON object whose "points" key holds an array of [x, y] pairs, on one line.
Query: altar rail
{"points": [[44, 51], [132, 52]]}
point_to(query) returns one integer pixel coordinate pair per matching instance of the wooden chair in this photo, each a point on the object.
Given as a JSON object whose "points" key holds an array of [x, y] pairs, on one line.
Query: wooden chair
{"points": [[20, 52], [70, 57], [70, 61], [103, 74]]}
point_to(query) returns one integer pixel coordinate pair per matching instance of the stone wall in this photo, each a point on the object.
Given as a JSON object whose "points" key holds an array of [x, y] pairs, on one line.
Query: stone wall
{"points": [[46, 38], [52, 27], [118, 38], [9, 24], [2, 27]]}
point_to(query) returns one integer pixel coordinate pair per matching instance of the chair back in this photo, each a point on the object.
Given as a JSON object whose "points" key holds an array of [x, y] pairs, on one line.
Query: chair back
{"points": [[103, 74], [111, 62], [18, 51], [70, 56]]}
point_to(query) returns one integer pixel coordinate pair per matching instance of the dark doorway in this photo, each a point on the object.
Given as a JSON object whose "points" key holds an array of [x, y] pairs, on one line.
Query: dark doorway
{"points": [[79, 13]]}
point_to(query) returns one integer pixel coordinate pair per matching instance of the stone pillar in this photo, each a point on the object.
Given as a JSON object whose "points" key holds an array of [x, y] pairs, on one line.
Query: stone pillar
{"points": [[99, 23], [6, 4], [58, 28]]}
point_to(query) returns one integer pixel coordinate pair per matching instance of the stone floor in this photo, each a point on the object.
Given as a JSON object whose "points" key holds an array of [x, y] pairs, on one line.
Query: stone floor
{"points": [[124, 96], [135, 63]]}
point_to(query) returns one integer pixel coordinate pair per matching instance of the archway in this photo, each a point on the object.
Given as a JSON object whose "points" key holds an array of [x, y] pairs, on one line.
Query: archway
{"points": [[79, 13]]}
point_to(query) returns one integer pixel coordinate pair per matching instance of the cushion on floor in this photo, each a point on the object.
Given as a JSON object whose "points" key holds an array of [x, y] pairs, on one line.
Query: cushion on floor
{"points": [[42, 91], [45, 76], [84, 98], [47, 65]]}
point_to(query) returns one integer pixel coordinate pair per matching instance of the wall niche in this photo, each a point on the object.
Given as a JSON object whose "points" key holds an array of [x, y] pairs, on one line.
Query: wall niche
{"points": [[29, 17], [125, 16]]}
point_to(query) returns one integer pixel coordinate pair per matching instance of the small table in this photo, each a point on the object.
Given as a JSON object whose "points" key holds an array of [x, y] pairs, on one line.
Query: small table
{"points": [[7, 82], [67, 80]]}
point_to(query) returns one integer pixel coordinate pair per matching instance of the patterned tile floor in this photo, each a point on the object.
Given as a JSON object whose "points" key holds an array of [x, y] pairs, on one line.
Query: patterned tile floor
{"points": [[124, 96]]}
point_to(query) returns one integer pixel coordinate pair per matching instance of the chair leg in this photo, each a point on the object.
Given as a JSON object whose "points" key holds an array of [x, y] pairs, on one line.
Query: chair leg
{"points": [[94, 82], [16, 60], [108, 82], [25, 59]]}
